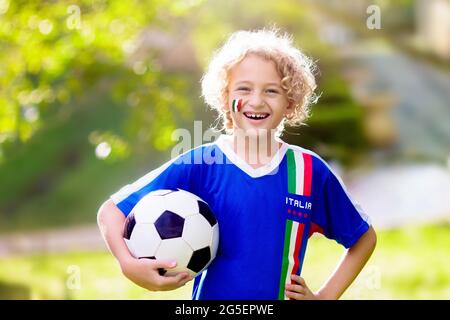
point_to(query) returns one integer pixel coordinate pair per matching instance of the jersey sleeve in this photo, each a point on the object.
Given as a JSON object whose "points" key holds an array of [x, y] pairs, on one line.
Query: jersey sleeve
{"points": [[175, 174], [337, 215]]}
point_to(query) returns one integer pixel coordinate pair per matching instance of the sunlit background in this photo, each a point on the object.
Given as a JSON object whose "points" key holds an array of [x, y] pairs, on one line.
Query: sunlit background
{"points": [[91, 92]]}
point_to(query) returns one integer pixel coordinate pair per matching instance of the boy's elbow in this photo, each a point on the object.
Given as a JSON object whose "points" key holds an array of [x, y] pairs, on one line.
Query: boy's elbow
{"points": [[103, 210], [366, 243], [371, 237]]}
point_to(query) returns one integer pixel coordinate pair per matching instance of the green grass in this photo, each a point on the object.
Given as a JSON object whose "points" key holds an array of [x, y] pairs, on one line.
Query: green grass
{"points": [[409, 263], [77, 275]]}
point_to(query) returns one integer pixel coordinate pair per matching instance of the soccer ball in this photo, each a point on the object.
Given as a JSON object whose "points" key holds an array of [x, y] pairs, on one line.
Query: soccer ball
{"points": [[173, 225]]}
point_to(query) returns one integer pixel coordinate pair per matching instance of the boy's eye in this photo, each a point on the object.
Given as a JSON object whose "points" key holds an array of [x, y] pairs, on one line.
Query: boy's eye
{"points": [[272, 91], [243, 89]]}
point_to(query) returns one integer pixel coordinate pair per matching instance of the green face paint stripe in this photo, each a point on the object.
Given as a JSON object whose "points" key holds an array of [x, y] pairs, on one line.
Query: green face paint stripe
{"points": [[239, 105]]}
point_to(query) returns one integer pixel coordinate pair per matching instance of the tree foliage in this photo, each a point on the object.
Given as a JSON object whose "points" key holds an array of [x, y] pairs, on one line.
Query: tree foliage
{"points": [[55, 53]]}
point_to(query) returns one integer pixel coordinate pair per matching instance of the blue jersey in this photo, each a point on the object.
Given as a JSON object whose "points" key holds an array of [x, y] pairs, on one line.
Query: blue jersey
{"points": [[265, 215]]}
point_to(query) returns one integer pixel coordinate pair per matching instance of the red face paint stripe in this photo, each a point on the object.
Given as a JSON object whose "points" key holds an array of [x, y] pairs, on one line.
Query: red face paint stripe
{"points": [[298, 245], [239, 105], [308, 174]]}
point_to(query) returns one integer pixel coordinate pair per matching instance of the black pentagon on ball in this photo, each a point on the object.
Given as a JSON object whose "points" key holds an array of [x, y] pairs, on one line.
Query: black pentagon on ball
{"points": [[199, 259], [206, 212], [169, 225], [130, 222]]}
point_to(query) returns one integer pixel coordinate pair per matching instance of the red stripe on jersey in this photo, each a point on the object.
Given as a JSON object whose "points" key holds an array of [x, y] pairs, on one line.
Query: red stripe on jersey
{"points": [[315, 228], [298, 245], [308, 174]]}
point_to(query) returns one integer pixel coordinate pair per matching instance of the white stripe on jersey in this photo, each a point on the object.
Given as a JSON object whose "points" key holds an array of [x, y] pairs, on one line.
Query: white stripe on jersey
{"points": [[358, 207]]}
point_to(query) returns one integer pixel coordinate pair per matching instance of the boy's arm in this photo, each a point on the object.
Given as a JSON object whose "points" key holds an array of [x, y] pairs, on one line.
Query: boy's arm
{"points": [[349, 267], [143, 272]]}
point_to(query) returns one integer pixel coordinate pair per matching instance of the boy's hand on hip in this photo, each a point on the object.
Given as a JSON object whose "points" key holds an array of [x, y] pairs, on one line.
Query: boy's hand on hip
{"points": [[299, 290], [144, 272]]}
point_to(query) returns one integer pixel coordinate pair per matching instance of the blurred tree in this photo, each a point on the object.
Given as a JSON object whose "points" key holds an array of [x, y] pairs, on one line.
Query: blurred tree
{"points": [[56, 54], [71, 84]]}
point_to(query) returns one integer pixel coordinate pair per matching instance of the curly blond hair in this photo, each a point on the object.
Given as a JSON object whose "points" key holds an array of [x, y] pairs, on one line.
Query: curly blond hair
{"points": [[295, 69]]}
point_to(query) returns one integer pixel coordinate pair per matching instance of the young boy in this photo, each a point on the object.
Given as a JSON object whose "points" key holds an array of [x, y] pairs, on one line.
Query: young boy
{"points": [[269, 197]]}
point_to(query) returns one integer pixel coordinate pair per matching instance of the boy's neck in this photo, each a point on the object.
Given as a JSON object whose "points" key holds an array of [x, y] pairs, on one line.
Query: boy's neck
{"points": [[256, 148]]}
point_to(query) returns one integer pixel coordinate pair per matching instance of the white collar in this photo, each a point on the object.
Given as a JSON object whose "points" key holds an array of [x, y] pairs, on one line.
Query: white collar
{"points": [[223, 142]]}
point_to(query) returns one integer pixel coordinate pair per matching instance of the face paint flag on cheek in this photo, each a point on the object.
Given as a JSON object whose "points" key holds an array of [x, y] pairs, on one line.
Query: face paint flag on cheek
{"points": [[236, 105]]}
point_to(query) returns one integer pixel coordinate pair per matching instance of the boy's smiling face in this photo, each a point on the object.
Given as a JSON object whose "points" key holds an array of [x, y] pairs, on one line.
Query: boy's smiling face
{"points": [[256, 81]]}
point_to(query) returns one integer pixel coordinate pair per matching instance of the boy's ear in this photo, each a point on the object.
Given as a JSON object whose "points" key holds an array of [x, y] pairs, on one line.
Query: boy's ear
{"points": [[289, 114], [290, 107]]}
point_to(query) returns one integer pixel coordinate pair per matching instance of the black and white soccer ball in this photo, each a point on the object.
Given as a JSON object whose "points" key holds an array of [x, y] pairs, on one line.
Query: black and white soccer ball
{"points": [[173, 225]]}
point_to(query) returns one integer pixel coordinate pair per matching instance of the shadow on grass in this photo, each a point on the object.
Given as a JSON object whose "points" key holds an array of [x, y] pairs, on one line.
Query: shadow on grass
{"points": [[9, 291]]}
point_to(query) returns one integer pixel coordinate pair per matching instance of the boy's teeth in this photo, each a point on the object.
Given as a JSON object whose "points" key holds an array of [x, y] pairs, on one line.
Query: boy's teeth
{"points": [[256, 115]]}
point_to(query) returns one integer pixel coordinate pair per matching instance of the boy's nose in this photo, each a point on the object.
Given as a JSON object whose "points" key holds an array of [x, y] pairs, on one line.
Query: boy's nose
{"points": [[256, 100]]}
